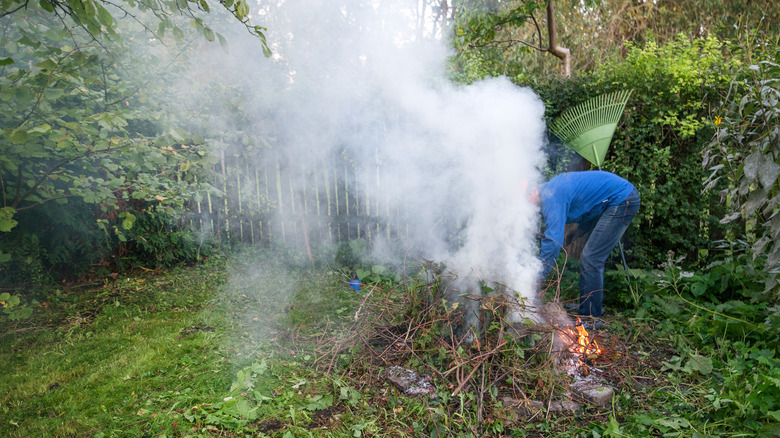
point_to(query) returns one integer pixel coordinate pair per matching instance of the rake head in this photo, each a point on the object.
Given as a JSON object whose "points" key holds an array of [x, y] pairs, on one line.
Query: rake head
{"points": [[588, 127]]}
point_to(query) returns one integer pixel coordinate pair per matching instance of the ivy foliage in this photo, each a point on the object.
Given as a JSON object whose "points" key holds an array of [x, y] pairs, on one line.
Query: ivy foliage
{"points": [[658, 142]]}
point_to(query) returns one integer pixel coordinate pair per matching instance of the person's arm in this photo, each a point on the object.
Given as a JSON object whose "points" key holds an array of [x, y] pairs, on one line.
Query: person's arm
{"points": [[554, 215]]}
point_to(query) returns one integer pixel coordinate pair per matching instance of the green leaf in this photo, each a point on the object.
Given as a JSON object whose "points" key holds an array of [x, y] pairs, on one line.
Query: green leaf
{"points": [[53, 93], [208, 34], [699, 363], [16, 136], [53, 35], [613, 429], [675, 423], [698, 289], [46, 5], [23, 96], [7, 221], [47, 65], [104, 16], [128, 219], [93, 27], [89, 7], [40, 130], [6, 61], [242, 10]]}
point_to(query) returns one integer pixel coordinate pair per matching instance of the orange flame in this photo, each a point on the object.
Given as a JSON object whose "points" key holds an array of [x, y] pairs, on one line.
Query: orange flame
{"points": [[583, 345]]}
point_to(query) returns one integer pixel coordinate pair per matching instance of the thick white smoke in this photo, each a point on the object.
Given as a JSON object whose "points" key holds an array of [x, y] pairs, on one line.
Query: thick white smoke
{"points": [[366, 77]]}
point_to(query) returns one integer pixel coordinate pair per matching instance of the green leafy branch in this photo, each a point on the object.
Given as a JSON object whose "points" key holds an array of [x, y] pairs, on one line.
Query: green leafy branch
{"points": [[95, 17]]}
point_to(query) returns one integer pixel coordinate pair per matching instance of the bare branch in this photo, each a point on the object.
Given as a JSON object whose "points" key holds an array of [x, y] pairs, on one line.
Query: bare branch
{"points": [[511, 41]]}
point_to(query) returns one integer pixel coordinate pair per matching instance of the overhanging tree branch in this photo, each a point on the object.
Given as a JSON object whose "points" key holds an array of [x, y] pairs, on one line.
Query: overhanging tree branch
{"points": [[20, 197], [517, 17], [11, 11]]}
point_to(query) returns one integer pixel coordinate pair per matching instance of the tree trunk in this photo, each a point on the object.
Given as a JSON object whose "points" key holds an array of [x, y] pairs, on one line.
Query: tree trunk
{"points": [[561, 52]]}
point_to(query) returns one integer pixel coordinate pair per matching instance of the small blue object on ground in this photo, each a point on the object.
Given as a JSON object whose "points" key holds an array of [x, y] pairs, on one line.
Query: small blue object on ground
{"points": [[355, 283]]}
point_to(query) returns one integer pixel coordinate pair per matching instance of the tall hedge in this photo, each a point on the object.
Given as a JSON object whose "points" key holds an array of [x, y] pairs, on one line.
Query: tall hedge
{"points": [[658, 143]]}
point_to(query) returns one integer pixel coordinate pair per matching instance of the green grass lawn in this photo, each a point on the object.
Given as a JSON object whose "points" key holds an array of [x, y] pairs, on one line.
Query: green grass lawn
{"points": [[97, 359], [261, 345]]}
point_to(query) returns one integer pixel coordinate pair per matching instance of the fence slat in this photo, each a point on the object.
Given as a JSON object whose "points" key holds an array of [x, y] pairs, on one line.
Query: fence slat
{"points": [[267, 200]]}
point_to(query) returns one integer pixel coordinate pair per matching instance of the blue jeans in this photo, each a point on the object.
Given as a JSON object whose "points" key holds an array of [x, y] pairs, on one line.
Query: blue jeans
{"points": [[606, 234]]}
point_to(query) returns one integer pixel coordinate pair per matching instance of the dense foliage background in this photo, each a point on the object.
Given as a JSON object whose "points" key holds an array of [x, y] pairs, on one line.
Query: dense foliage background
{"points": [[100, 169], [91, 142]]}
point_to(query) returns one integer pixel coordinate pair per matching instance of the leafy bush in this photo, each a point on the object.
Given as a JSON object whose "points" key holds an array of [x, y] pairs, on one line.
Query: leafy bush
{"points": [[725, 336], [742, 156], [53, 241], [75, 241], [155, 240], [657, 145], [84, 138]]}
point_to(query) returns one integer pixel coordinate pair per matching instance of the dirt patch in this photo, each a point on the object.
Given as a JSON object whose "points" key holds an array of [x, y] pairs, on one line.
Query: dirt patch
{"points": [[325, 417], [269, 425]]}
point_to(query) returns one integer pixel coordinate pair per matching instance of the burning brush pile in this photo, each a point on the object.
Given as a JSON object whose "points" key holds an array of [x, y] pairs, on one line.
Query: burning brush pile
{"points": [[578, 354], [576, 349], [405, 340], [584, 351]]}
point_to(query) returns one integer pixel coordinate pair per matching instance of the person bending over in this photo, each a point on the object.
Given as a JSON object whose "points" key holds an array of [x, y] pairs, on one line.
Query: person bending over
{"points": [[600, 202]]}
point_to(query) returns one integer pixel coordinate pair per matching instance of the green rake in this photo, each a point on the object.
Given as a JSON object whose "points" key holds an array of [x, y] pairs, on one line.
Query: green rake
{"points": [[588, 128]]}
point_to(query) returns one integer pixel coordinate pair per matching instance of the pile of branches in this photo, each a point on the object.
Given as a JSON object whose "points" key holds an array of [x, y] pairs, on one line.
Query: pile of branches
{"points": [[415, 325]]}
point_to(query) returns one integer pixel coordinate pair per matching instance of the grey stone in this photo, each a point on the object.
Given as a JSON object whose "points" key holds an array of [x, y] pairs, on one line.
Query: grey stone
{"points": [[514, 409], [566, 406], [597, 394]]}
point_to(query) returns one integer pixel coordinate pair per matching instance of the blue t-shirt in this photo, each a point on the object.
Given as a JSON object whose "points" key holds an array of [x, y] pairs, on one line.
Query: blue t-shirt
{"points": [[575, 197]]}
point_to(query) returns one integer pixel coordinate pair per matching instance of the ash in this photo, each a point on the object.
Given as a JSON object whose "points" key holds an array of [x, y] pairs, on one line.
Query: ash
{"points": [[581, 372], [409, 382]]}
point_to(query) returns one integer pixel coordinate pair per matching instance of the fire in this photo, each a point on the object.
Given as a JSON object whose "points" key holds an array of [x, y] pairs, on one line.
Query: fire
{"points": [[582, 345]]}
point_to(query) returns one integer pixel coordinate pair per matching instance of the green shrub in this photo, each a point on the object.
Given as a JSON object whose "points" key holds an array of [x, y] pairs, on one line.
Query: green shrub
{"points": [[52, 242], [742, 157], [155, 240], [725, 337], [657, 145]]}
